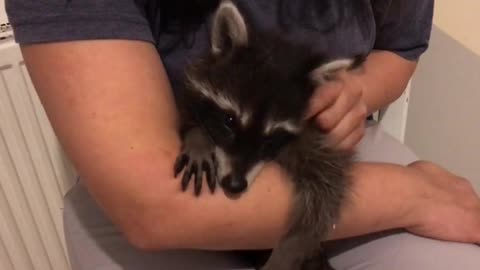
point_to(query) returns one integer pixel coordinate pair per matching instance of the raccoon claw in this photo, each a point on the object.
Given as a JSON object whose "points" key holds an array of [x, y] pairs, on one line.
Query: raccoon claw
{"points": [[180, 163], [211, 180]]}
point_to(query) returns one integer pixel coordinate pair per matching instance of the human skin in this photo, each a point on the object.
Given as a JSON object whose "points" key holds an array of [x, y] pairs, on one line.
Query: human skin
{"points": [[341, 106]]}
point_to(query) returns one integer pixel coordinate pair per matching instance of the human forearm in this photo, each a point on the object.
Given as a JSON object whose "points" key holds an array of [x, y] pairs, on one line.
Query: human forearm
{"points": [[422, 198], [384, 77], [382, 198]]}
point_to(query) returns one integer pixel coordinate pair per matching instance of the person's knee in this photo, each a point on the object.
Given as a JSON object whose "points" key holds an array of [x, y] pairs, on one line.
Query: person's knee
{"points": [[406, 251]]}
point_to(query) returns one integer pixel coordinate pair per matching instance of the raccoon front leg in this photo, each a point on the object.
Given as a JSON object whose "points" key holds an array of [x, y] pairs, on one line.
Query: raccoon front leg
{"points": [[197, 158]]}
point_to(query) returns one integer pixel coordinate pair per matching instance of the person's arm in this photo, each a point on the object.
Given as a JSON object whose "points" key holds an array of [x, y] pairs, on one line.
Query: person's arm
{"points": [[399, 45], [384, 77], [111, 107], [341, 106]]}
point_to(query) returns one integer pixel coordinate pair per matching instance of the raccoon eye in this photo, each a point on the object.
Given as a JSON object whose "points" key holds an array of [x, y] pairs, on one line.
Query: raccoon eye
{"points": [[229, 121], [220, 124]]}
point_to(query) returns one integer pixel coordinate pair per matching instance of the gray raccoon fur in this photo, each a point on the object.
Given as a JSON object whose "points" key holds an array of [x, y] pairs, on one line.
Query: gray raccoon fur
{"points": [[244, 104]]}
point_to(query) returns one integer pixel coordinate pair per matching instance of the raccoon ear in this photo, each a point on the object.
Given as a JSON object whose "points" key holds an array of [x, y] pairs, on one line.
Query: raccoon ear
{"points": [[229, 29], [326, 72]]}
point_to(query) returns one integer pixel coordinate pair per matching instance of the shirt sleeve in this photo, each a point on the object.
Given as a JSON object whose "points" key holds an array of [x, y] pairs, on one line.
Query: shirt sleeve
{"points": [[404, 26], [39, 21]]}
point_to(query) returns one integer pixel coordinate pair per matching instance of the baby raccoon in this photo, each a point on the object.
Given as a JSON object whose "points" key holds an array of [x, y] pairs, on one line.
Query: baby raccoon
{"points": [[244, 105]]}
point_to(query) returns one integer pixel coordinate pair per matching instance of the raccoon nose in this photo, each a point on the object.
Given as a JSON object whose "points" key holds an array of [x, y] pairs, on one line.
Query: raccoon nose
{"points": [[233, 184]]}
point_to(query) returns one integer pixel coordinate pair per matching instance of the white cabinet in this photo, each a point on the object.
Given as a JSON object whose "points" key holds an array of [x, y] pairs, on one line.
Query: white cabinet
{"points": [[34, 174]]}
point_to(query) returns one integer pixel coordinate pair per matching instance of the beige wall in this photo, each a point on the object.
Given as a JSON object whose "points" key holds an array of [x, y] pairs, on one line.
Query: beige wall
{"points": [[3, 15], [460, 19]]}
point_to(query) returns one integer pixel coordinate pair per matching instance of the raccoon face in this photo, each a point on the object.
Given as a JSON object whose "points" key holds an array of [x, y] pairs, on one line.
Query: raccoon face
{"points": [[242, 148], [250, 93]]}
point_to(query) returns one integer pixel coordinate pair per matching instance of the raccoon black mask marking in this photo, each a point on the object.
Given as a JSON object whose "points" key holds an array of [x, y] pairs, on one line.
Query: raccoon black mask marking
{"points": [[244, 104]]}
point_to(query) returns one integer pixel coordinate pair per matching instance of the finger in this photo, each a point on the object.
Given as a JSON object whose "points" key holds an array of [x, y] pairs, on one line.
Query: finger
{"points": [[475, 232], [180, 163], [211, 180], [477, 229], [352, 121], [353, 139], [323, 98], [198, 181], [332, 116]]}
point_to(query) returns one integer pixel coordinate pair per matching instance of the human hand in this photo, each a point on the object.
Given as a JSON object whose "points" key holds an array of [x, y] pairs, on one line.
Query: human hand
{"points": [[339, 110], [449, 208]]}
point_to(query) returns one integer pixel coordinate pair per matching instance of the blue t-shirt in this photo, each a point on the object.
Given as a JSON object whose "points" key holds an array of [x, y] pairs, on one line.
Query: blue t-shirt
{"points": [[399, 26]]}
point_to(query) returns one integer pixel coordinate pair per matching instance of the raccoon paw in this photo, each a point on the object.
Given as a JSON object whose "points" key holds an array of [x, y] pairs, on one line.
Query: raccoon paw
{"points": [[196, 159], [196, 167]]}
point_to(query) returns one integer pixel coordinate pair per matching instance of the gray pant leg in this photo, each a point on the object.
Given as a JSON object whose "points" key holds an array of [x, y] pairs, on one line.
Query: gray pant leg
{"points": [[95, 244], [398, 250]]}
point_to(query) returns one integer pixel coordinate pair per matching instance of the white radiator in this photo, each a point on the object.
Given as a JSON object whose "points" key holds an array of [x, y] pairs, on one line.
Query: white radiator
{"points": [[34, 174]]}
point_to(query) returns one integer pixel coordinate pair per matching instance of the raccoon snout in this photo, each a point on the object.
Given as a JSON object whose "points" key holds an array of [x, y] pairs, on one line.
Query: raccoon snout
{"points": [[234, 184]]}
